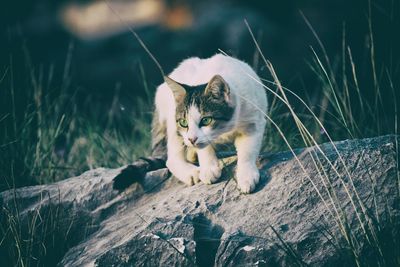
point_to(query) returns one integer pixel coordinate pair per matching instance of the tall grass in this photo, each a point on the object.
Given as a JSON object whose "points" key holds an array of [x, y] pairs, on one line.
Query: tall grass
{"points": [[344, 112], [49, 138], [43, 237], [46, 135]]}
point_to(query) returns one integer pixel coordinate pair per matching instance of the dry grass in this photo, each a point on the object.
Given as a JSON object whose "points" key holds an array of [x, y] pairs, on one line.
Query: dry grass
{"points": [[48, 138]]}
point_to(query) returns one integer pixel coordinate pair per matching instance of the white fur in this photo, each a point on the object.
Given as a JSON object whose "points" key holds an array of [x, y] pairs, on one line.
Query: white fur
{"points": [[210, 170], [245, 130], [193, 129]]}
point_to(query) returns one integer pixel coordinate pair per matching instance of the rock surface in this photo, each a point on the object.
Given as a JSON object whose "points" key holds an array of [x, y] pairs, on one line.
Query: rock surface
{"points": [[299, 214]]}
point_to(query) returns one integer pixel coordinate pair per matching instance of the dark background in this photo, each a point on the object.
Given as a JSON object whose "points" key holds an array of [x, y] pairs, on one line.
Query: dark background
{"points": [[99, 64], [103, 81]]}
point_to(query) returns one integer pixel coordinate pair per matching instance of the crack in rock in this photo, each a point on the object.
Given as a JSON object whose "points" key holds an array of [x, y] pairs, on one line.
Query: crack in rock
{"points": [[207, 236]]}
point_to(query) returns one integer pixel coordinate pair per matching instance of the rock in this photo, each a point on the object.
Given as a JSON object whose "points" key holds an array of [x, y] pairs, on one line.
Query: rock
{"points": [[289, 220]]}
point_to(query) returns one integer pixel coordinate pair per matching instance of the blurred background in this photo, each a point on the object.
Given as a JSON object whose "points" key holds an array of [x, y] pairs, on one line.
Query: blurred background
{"points": [[76, 87]]}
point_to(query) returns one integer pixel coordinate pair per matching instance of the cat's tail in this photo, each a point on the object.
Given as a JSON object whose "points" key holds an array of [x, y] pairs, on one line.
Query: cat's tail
{"points": [[136, 171]]}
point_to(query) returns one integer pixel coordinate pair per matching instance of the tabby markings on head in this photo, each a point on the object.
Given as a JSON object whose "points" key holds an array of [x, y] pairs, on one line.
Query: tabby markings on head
{"points": [[203, 112]]}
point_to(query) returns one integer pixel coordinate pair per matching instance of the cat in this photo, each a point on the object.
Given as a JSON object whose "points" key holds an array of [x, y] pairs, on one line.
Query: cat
{"points": [[203, 103]]}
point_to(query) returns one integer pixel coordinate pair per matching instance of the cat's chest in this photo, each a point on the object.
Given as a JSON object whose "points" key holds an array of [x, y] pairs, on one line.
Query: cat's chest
{"points": [[228, 137]]}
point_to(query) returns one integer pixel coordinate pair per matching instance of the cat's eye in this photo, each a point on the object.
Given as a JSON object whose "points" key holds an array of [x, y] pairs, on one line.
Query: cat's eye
{"points": [[206, 121], [183, 123]]}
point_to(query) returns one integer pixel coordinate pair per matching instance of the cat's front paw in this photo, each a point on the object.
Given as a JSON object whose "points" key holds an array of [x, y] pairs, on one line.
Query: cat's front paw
{"points": [[247, 177], [189, 175], [210, 173], [185, 172]]}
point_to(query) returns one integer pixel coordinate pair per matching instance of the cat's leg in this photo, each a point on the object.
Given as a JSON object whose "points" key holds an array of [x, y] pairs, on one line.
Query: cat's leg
{"points": [[248, 148], [177, 164], [176, 161], [209, 166]]}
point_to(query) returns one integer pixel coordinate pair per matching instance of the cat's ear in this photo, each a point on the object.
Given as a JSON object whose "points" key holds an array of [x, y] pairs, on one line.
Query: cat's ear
{"points": [[177, 89], [218, 88]]}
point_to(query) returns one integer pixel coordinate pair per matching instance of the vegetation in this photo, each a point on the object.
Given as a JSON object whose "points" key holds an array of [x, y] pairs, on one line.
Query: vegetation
{"points": [[47, 138], [345, 111]]}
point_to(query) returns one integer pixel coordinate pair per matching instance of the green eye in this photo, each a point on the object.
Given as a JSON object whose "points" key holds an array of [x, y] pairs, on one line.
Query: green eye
{"points": [[183, 123], [206, 121]]}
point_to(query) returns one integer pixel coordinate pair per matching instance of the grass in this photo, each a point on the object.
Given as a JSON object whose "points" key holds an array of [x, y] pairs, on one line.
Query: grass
{"points": [[49, 138], [44, 240], [45, 136], [369, 118]]}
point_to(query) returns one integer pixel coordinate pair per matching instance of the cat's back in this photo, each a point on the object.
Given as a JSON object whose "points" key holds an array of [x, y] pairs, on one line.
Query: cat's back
{"points": [[241, 78], [196, 71]]}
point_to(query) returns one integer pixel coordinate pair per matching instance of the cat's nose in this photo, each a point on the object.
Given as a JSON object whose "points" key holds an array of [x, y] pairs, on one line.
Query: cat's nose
{"points": [[193, 140]]}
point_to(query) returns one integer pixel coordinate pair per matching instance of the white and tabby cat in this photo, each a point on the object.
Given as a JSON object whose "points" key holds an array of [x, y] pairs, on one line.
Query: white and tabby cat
{"points": [[205, 102]]}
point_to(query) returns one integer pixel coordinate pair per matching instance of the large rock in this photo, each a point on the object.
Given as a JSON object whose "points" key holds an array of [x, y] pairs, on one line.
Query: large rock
{"points": [[306, 213]]}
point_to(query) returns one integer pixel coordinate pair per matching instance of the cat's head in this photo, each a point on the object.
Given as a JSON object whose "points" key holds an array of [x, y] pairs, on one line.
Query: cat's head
{"points": [[203, 112]]}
